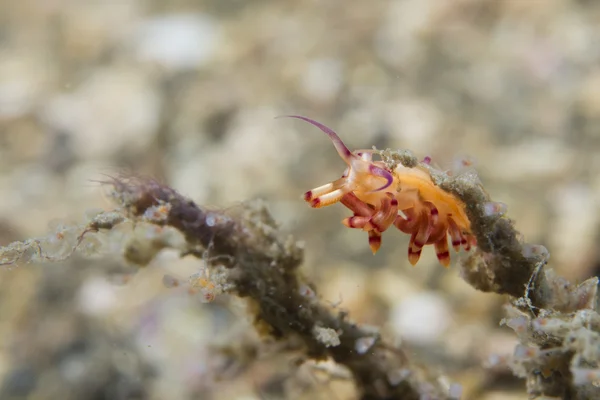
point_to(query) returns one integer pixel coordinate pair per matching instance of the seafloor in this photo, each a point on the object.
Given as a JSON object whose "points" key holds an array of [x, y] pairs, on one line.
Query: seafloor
{"points": [[187, 92]]}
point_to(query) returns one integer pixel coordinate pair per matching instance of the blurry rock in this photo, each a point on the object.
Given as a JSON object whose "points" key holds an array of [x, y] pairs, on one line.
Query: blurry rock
{"points": [[178, 41], [22, 83], [113, 109], [421, 318], [323, 79]]}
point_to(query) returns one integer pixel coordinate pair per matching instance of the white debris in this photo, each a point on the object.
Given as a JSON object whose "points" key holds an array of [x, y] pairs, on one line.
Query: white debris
{"points": [[363, 344], [97, 296], [329, 337]]}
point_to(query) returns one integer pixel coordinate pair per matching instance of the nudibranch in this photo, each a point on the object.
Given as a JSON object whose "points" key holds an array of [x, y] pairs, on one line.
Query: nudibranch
{"points": [[405, 197]]}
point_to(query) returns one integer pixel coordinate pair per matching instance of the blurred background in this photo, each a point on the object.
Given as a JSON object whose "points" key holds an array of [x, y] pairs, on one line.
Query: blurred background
{"points": [[187, 91]]}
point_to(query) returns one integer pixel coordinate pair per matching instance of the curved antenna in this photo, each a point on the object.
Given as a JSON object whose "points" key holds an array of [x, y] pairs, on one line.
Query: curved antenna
{"points": [[341, 148]]}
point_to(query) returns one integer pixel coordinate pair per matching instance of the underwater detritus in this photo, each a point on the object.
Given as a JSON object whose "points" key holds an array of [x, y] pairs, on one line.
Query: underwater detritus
{"points": [[261, 265], [244, 254], [249, 257]]}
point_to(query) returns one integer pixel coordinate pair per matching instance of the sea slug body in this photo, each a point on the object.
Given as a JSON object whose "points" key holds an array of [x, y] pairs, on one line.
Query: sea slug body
{"points": [[404, 197]]}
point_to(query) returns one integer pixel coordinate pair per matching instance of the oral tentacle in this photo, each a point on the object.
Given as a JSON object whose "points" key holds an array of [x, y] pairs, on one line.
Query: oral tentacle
{"points": [[328, 199], [322, 190]]}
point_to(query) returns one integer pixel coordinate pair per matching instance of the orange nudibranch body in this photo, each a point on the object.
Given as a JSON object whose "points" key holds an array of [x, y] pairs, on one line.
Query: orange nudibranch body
{"points": [[404, 197]]}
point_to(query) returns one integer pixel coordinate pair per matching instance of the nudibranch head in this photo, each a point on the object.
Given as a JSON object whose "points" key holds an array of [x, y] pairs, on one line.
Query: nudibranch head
{"points": [[361, 175]]}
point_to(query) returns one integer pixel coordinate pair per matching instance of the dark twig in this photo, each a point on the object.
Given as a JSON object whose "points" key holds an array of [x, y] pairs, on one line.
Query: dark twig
{"points": [[264, 270]]}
